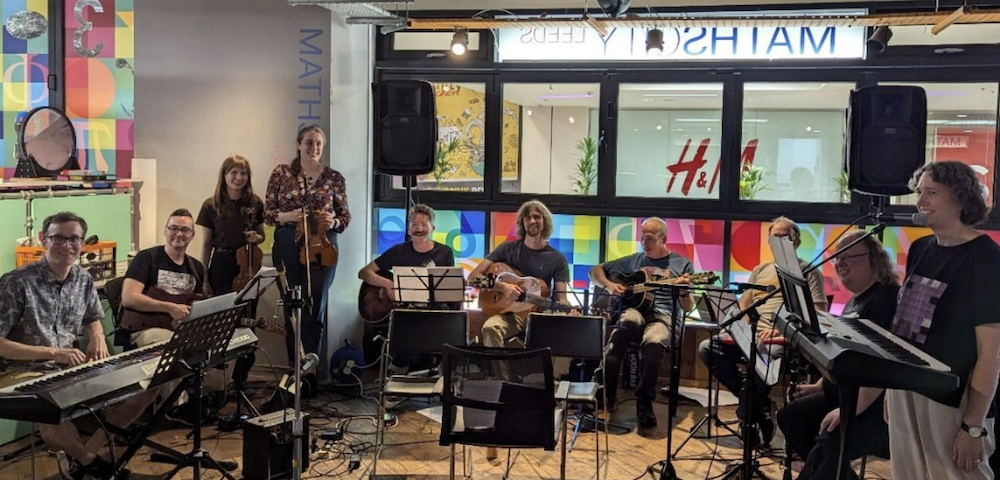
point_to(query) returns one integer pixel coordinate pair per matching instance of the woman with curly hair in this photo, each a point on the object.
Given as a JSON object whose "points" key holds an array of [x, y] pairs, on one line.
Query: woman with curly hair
{"points": [[948, 307]]}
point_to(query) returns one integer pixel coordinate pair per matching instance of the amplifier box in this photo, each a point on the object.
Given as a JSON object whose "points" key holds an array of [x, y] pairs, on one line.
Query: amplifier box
{"points": [[267, 445]]}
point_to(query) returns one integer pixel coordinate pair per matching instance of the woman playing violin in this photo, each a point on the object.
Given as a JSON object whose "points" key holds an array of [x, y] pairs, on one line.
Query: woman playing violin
{"points": [[306, 185], [225, 217]]}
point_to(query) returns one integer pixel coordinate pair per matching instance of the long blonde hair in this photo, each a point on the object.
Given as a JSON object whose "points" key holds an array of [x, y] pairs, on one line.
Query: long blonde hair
{"points": [[540, 208]]}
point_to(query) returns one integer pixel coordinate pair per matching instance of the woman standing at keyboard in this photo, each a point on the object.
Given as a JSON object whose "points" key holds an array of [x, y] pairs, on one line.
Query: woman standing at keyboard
{"points": [[949, 308]]}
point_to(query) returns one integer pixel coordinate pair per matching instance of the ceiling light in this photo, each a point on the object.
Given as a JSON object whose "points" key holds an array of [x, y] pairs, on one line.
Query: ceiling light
{"points": [[654, 42], [879, 39], [460, 42]]}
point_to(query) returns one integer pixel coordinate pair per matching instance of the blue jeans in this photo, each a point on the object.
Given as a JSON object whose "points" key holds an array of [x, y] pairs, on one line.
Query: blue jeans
{"points": [[286, 254]]}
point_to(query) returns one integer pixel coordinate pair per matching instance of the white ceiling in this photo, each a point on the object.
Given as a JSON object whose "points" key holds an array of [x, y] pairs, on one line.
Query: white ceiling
{"points": [[476, 5]]}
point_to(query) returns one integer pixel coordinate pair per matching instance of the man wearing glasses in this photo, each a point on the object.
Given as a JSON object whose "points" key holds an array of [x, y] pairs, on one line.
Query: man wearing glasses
{"points": [[43, 307], [170, 270], [727, 354]]}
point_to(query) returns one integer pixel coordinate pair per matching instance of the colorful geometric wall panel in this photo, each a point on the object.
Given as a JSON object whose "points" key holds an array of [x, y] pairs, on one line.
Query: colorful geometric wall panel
{"points": [[700, 241], [99, 46], [463, 231], [25, 72], [578, 237]]}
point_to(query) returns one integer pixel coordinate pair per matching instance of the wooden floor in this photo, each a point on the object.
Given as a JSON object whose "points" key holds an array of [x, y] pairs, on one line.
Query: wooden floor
{"points": [[412, 450]]}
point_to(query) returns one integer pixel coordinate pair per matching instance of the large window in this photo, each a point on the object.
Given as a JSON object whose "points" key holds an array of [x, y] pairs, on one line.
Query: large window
{"points": [[550, 138], [669, 140], [460, 156], [793, 142], [961, 126]]}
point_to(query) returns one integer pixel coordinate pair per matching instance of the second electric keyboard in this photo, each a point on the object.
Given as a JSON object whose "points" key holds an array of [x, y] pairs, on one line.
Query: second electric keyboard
{"points": [[863, 353]]}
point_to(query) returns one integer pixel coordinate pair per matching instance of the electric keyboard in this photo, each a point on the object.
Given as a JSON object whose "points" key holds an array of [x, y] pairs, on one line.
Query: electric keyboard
{"points": [[73, 392], [862, 353]]}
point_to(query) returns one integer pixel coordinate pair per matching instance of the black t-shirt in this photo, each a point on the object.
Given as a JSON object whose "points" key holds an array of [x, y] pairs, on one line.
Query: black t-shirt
{"points": [[404, 255], [227, 229], [948, 292], [548, 264], [877, 304], [154, 268]]}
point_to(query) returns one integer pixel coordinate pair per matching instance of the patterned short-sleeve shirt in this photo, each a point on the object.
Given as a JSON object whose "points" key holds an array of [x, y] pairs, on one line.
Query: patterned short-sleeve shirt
{"points": [[38, 309]]}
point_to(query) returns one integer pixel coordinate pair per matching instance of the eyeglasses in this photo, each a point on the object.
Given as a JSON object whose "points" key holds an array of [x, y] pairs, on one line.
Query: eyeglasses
{"points": [[176, 229], [846, 257], [74, 240]]}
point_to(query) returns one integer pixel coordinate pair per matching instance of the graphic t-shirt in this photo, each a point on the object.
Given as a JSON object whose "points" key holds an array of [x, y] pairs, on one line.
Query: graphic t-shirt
{"points": [[948, 292]]}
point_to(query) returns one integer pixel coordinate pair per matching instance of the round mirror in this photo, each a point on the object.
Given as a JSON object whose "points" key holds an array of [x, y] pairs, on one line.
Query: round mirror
{"points": [[46, 143]]}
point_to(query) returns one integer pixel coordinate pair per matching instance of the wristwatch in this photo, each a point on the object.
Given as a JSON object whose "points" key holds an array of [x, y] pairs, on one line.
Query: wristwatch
{"points": [[974, 432]]}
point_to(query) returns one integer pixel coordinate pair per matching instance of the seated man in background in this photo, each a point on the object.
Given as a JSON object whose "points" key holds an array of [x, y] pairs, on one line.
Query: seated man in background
{"points": [[419, 251], [722, 355], [43, 307], [653, 325], [866, 271]]}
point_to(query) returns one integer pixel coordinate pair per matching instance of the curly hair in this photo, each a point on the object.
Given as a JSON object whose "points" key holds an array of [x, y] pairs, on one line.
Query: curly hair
{"points": [[422, 209], [878, 258], [962, 182], [539, 207]]}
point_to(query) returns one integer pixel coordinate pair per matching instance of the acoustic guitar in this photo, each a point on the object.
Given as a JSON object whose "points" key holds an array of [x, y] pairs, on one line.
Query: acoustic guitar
{"points": [[135, 320], [374, 303], [641, 288], [265, 325], [535, 297]]}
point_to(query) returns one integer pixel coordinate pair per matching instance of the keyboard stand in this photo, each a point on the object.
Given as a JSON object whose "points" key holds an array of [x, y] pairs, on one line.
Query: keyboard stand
{"points": [[139, 437]]}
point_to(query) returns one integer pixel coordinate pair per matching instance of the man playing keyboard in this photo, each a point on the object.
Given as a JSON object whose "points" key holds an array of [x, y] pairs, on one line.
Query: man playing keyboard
{"points": [[43, 307]]}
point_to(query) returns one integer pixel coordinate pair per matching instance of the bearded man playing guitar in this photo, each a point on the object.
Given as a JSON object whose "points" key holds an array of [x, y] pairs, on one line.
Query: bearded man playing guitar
{"points": [[532, 256], [652, 324]]}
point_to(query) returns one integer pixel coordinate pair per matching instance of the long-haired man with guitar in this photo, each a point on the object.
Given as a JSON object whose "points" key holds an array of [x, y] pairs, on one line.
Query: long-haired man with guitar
{"points": [[651, 321], [727, 354], [543, 268]]}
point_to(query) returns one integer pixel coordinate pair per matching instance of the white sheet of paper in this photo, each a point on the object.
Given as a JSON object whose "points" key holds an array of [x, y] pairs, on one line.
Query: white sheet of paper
{"points": [[768, 369]]}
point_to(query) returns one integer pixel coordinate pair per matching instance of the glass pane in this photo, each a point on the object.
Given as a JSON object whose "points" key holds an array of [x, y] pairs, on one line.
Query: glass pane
{"points": [[961, 126], [669, 138], [550, 138], [793, 137], [460, 156]]}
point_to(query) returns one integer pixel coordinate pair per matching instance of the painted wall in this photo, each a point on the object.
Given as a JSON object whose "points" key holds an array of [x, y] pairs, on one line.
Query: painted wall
{"points": [[240, 76]]}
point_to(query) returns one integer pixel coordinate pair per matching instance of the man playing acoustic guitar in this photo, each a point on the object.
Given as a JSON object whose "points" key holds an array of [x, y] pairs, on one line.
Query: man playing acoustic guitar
{"points": [[651, 324], [532, 255]]}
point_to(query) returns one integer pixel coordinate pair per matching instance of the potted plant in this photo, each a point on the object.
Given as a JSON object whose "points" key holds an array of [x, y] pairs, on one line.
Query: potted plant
{"points": [[843, 187], [752, 180], [442, 165], [585, 176]]}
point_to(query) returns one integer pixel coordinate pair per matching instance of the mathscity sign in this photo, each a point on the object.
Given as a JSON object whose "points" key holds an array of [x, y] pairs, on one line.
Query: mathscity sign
{"points": [[685, 43]]}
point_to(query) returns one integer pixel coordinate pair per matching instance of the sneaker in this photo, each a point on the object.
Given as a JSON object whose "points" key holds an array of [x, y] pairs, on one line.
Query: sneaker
{"points": [[644, 413], [69, 468]]}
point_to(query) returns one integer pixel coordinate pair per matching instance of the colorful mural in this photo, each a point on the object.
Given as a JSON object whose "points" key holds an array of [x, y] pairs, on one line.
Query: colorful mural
{"points": [[700, 241], [576, 236], [99, 53], [25, 71], [463, 231]]}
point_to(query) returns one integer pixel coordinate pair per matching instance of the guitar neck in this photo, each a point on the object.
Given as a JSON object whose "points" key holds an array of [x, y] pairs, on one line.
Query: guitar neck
{"points": [[547, 302]]}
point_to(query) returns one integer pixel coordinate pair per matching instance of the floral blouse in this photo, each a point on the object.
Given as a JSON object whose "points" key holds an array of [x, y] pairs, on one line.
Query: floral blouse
{"points": [[328, 192]]}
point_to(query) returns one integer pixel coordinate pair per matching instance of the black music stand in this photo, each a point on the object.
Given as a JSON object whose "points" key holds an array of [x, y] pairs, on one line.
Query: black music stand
{"points": [[711, 414], [197, 344], [429, 285]]}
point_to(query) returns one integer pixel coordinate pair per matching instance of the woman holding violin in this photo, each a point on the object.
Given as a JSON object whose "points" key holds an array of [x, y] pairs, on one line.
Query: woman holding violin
{"points": [[233, 222], [307, 202]]}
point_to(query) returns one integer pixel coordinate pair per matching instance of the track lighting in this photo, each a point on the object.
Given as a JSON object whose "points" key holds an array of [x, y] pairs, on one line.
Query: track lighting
{"points": [[460, 42], [879, 39], [654, 42]]}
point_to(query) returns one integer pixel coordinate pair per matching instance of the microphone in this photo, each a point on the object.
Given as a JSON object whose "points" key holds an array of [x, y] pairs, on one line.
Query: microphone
{"points": [[919, 219], [753, 286], [310, 360]]}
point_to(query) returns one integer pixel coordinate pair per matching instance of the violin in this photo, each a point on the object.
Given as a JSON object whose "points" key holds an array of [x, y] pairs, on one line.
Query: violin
{"points": [[321, 251], [248, 257]]}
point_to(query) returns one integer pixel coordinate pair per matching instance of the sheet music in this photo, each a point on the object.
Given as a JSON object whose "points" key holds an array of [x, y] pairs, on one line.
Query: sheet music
{"points": [[260, 282], [413, 284], [768, 369]]}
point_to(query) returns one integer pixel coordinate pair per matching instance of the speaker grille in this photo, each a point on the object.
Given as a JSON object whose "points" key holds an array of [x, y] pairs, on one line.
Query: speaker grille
{"points": [[406, 129], [888, 136]]}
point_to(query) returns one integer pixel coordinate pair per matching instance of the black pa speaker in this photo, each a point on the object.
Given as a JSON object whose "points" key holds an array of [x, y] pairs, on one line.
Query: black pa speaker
{"points": [[267, 445], [888, 134], [406, 127]]}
